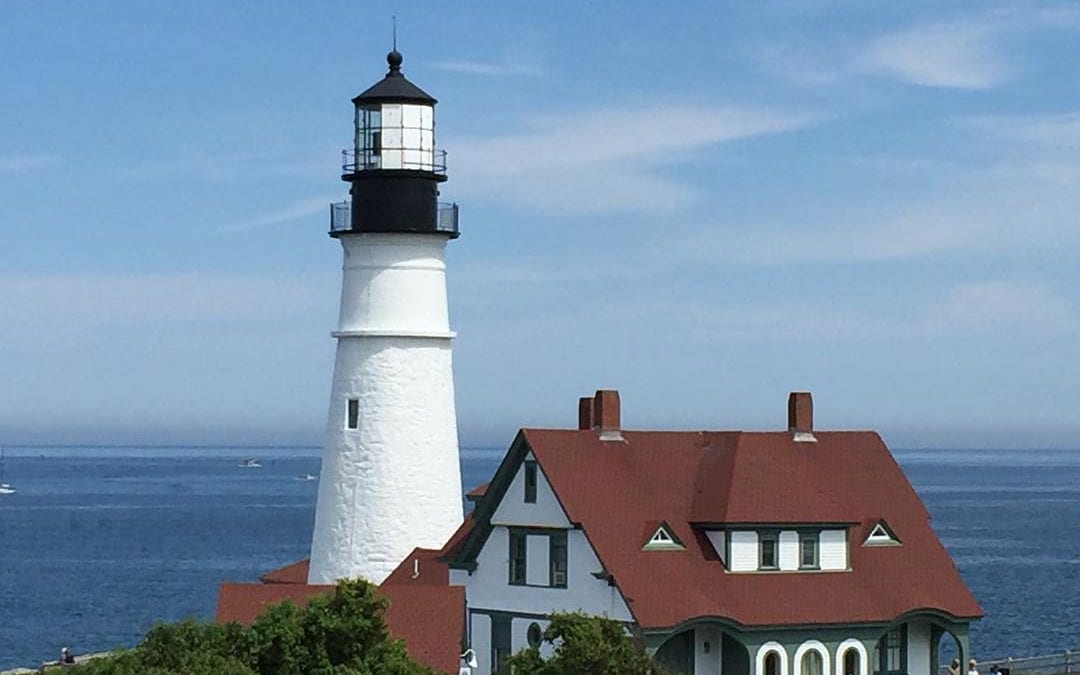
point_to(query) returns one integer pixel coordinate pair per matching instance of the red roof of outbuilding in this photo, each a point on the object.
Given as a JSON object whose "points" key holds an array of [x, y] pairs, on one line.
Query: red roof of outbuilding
{"points": [[718, 478], [242, 603], [423, 610], [295, 573]]}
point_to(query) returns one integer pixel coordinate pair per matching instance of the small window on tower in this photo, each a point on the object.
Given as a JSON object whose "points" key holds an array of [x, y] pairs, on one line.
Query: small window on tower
{"points": [[530, 482], [352, 420]]}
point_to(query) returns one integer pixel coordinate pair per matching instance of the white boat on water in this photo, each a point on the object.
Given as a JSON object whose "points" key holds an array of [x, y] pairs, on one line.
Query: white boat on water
{"points": [[250, 463], [5, 489], [307, 477]]}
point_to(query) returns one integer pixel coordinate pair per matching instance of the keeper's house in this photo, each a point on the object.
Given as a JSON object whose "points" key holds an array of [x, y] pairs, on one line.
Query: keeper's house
{"points": [[797, 552]]}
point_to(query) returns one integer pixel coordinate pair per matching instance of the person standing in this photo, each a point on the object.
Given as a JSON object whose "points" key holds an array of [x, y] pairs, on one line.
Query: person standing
{"points": [[972, 670]]}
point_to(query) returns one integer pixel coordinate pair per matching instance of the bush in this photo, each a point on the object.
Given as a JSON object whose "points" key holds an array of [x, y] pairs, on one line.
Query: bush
{"points": [[340, 634], [583, 645]]}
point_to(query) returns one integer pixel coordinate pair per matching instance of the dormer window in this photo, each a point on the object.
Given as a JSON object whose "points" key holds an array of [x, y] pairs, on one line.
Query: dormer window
{"points": [[881, 535], [530, 482], [663, 540]]}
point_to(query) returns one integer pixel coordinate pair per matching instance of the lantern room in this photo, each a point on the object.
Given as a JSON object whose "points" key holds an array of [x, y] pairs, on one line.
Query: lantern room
{"points": [[394, 127]]}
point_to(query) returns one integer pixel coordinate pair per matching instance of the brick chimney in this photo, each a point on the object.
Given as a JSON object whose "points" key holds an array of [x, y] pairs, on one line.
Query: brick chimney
{"points": [[584, 413], [800, 415], [605, 414]]}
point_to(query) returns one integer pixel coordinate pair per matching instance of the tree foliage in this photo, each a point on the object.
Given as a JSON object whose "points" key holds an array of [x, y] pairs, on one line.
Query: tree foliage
{"points": [[339, 634], [585, 645]]}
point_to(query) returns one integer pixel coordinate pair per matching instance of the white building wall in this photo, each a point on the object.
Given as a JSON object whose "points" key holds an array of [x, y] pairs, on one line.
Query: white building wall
{"points": [[832, 552], [513, 510], [744, 551], [708, 662], [789, 550], [918, 648], [716, 538], [394, 482], [489, 588], [480, 642]]}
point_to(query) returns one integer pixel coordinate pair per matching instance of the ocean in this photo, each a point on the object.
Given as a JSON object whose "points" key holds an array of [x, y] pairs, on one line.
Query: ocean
{"points": [[99, 543]]}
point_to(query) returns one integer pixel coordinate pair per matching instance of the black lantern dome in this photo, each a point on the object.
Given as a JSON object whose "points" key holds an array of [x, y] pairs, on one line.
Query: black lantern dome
{"points": [[394, 167]]}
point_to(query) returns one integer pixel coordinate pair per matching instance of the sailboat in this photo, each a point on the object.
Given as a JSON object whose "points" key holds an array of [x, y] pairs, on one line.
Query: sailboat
{"points": [[5, 489]]}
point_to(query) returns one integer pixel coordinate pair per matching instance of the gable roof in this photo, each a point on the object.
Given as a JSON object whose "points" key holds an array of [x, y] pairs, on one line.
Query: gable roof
{"points": [[692, 479]]}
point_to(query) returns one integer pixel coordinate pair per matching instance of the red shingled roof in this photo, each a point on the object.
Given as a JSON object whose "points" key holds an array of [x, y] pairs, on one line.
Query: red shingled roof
{"points": [[423, 610], [295, 573], [243, 602], [684, 478]]}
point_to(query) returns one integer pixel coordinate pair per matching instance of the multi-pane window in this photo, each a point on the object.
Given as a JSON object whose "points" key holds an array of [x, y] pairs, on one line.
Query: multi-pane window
{"points": [[808, 551], [554, 540], [530, 482], [890, 656], [352, 417], [518, 557], [558, 559], [768, 555]]}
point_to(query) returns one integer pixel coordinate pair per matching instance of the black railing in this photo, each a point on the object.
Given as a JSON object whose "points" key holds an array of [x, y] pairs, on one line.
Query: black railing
{"points": [[446, 217], [367, 159]]}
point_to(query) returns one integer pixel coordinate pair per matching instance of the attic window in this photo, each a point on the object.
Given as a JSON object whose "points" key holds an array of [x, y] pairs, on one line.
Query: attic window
{"points": [[663, 540], [530, 482], [881, 535]]}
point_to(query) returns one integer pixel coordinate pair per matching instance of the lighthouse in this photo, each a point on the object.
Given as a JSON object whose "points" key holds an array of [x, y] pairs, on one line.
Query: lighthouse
{"points": [[390, 477]]}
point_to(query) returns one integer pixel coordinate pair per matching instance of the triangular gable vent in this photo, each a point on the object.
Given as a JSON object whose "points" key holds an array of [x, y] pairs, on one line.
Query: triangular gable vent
{"points": [[881, 535], [663, 540]]}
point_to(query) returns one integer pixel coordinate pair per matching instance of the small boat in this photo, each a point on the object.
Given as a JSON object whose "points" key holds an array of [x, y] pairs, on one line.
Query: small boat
{"points": [[250, 463], [307, 477], [5, 489]]}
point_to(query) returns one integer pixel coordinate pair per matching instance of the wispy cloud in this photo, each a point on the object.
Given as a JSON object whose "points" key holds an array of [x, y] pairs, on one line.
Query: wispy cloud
{"points": [[88, 300], [998, 308], [23, 163], [1058, 131], [299, 210], [958, 54], [494, 69], [608, 160]]}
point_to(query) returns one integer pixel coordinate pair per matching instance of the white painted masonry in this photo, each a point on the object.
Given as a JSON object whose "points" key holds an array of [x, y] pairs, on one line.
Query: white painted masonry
{"points": [[708, 662], [394, 482], [789, 550], [864, 660], [832, 551], [918, 648], [744, 551]]}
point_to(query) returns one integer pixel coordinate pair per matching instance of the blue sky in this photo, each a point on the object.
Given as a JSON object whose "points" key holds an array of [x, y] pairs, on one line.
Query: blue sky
{"points": [[703, 205]]}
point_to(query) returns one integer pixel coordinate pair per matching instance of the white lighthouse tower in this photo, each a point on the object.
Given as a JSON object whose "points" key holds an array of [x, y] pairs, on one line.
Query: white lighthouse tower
{"points": [[390, 475]]}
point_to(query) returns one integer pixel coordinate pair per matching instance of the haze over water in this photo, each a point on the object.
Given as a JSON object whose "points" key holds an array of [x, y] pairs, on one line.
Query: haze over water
{"points": [[99, 543]]}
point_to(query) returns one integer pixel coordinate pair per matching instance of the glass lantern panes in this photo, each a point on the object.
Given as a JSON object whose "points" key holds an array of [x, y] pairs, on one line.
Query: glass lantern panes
{"points": [[395, 136]]}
